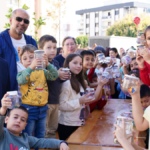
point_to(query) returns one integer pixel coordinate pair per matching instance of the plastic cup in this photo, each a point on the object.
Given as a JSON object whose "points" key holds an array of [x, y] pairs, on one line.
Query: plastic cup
{"points": [[99, 74], [66, 70], [129, 84], [91, 91], [13, 95], [39, 54], [107, 60], [109, 70], [131, 53], [101, 57], [126, 60], [116, 72]]}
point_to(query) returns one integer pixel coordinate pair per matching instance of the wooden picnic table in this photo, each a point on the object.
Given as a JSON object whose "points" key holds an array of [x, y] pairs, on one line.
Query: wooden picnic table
{"points": [[98, 130]]}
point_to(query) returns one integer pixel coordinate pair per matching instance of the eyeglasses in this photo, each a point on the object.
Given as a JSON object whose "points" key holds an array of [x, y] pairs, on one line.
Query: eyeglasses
{"points": [[70, 44], [19, 19]]}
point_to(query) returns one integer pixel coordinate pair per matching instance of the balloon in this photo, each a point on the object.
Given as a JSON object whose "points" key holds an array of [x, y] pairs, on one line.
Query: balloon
{"points": [[136, 20]]}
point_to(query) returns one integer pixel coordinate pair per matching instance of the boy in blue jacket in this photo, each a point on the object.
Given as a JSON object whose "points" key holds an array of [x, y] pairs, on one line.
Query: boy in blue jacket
{"points": [[12, 137]]}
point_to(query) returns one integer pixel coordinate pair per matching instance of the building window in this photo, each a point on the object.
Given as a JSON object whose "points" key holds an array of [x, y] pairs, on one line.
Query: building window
{"points": [[87, 16], [96, 15], [116, 12], [96, 33], [108, 13], [96, 24], [87, 25]]}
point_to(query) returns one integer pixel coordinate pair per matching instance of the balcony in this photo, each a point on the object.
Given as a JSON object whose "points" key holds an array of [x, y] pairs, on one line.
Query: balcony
{"points": [[106, 17]]}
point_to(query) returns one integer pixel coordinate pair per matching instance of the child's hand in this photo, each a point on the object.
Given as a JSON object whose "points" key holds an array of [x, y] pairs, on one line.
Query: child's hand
{"points": [[86, 99], [137, 89], [102, 81], [63, 75], [140, 60], [146, 54], [37, 62], [64, 146], [6, 102], [45, 60]]}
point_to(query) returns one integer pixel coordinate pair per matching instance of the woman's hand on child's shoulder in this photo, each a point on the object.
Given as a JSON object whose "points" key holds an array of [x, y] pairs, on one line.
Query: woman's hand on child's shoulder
{"points": [[64, 146]]}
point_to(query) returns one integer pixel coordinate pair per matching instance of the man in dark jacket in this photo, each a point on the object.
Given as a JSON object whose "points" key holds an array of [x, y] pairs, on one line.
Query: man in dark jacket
{"points": [[12, 40], [4, 78]]}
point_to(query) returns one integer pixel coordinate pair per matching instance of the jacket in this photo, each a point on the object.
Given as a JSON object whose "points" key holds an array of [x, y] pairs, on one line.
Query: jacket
{"points": [[71, 111], [145, 74], [7, 52]]}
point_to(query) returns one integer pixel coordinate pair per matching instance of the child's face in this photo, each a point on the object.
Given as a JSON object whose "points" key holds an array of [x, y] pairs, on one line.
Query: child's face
{"points": [[88, 61], [17, 121], [145, 101], [148, 38], [50, 49], [133, 64], [112, 54], [76, 65], [94, 80], [27, 58]]}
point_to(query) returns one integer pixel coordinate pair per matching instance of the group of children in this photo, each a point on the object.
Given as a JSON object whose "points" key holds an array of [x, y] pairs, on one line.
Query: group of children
{"points": [[55, 100]]}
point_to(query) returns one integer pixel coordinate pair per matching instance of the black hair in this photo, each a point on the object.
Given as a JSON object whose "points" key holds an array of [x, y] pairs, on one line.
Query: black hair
{"points": [[58, 50], [144, 91], [129, 68], [20, 107], [116, 51], [135, 72], [46, 38], [147, 28], [99, 49], [87, 52], [94, 75]]}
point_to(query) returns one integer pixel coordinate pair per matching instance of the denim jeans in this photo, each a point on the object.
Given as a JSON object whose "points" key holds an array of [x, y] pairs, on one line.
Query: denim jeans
{"points": [[36, 123]]}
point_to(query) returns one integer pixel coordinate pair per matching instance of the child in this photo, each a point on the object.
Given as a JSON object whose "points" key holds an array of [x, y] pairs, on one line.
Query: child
{"points": [[113, 53], [48, 44], [72, 100], [34, 89], [12, 136], [143, 59]]}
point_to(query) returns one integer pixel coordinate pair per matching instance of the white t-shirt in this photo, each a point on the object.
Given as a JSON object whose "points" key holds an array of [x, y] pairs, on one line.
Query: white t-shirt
{"points": [[18, 44], [20, 67]]}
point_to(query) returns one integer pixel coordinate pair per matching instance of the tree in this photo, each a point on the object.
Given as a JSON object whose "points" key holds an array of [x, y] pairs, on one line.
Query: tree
{"points": [[55, 11], [83, 40], [37, 22], [126, 26]]}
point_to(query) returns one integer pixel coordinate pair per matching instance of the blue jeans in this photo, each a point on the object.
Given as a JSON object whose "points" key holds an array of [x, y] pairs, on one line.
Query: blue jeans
{"points": [[36, 123]]}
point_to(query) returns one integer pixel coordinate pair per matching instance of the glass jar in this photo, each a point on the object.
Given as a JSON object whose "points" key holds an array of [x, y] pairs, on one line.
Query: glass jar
{"points": [[67, 70], [39, 54], [140, 49], [128, 122], [126, 60], [101, 57], [13, 95], [91, 91], [116, 72], [129, 83], [105, 75]]}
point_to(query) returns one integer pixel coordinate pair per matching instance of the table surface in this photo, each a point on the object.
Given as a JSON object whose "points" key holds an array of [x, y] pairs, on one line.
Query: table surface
{"points": [[98, 130]]}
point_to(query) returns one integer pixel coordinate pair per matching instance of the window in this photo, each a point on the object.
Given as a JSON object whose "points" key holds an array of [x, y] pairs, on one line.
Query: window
{"points": [[87, 25], [96, 24], [116, 12], [96, 33], [87, 16], [96, 15], [108, 13]]}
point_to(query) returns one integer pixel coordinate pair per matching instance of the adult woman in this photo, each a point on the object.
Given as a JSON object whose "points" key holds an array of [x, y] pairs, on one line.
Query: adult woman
{"points": [[69, 46]]}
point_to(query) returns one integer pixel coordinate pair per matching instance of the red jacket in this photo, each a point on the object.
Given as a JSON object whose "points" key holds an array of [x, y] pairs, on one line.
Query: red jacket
{"points": [[145, 74], [90, 74]]}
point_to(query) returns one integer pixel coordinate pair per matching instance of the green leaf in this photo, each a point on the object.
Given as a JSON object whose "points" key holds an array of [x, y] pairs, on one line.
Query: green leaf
{"points": [[25, 7]]}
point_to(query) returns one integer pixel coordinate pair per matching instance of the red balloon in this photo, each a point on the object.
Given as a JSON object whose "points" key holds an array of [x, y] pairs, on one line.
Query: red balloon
{"points": [[136, 20]]}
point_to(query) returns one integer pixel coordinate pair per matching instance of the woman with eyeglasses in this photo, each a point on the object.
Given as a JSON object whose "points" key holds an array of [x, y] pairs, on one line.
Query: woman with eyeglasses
{"points": [[69, 46]]}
